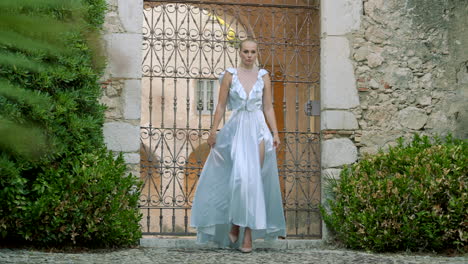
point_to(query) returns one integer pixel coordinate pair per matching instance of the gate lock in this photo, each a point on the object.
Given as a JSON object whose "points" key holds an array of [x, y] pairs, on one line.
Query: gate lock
{"points": [[312, 108]]}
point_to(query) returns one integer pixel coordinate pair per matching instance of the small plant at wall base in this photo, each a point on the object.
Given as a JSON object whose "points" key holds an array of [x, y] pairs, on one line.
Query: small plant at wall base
{"points": [[66, 189], [413, 197]]}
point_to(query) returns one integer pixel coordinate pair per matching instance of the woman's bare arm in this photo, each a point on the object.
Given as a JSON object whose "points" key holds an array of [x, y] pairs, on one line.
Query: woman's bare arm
{"points": [[268, 108], [220, 107]]}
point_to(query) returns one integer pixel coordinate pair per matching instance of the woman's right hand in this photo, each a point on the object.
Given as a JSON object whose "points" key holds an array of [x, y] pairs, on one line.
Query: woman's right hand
{"points": [[212, 139]]}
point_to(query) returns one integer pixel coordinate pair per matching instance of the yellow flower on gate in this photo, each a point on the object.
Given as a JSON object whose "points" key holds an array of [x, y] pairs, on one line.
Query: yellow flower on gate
{"points": [[231, 34]]}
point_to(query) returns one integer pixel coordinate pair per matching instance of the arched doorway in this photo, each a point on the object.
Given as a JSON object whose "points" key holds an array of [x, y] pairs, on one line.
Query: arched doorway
{"points": [[186, 45]]}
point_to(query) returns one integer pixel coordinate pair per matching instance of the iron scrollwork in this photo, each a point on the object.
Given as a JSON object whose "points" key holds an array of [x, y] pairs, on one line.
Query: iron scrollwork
{"points": [[187, 41]]}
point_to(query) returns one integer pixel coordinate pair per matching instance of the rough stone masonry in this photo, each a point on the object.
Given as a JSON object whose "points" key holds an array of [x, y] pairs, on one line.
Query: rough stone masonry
{"points": [[121, 82], [411, 64]]}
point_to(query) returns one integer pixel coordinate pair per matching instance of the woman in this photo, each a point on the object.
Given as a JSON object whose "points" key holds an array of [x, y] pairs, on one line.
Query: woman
{"points": [[238, 196]]}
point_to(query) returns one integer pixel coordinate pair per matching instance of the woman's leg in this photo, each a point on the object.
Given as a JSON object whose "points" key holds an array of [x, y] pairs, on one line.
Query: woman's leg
{"points": [[261, 149], [235, 230], [247, 243]]}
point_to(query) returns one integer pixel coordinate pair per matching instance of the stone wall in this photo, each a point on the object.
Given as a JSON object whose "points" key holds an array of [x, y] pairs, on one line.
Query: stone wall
{"points": [[410, 67], [338, 93], [457, 72], [390, 68], [122, 79]]}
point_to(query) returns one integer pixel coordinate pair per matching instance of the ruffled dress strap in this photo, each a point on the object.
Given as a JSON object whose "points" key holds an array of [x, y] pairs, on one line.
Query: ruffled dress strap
{"points": [[262, 72], [259, 86], [233, 71]]}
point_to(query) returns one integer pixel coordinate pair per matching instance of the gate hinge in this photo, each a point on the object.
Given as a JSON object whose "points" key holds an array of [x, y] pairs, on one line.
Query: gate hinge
{"points": [[312, 108]]}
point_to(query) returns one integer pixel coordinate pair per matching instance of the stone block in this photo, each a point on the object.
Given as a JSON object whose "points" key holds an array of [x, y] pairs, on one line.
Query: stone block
{"points": [[378, 138], [340, 17], [111, 91], [412, 117], [374, 60], [337, 152], [336, 119], [373, 9], [398, 77], [462, 73], [131, 15], [112, 23], [374, 84], [426, 81], [112, 2], [338, 86], [361, 53], [415, 63], [191, 243], [134, 170], [305, 243], [113, 113], [380, 115], [438, 119], [132, 99], [369, 150], [158, 242], [111, 103], [131, 158], [120, 136], [376, 34], [275, 244], [124, 55], [424, 100], [331, 174]]}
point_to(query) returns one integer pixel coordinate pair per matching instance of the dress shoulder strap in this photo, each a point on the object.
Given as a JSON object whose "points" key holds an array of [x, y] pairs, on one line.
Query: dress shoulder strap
{"points": [[262, 72], [232, 70]]}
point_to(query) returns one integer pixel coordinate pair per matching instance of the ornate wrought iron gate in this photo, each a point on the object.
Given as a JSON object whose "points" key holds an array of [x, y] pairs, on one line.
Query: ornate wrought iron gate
{"points": [[186, 45]]}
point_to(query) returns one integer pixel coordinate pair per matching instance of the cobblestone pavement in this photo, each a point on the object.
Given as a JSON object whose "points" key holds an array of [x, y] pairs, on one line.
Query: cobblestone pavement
{"points": [[168, 255]]}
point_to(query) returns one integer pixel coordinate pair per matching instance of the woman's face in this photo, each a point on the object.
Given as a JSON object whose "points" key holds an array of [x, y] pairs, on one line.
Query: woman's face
{"points": [[248, 53]]}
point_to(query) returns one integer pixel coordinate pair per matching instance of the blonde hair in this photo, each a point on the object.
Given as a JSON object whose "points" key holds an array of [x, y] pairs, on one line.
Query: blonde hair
{"points": [[246, 40]]}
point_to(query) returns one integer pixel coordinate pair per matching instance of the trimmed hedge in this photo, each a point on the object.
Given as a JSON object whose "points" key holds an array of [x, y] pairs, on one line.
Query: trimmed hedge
{"points": [[77, 193], [414, 197], [94, 205]]}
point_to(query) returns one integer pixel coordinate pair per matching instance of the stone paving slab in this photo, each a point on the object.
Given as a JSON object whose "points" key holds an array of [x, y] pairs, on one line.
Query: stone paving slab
{"points": [[226, 256], [190, 242]]}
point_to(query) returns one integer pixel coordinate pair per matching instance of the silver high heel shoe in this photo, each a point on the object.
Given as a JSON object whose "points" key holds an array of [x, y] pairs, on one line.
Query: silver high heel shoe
{"points": [[245, 250]]}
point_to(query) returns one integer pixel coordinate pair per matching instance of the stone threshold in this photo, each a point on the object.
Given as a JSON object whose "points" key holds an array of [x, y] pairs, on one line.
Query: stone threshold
{"points": [[190, 242]]}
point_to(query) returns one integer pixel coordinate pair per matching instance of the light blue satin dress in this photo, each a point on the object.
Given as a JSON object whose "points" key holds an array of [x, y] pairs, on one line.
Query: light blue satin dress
{"points": [[233, 187]]}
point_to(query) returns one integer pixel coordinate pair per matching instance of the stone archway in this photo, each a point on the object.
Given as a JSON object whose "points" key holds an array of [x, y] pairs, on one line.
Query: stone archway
{"points": [[186, 46], [122, 80]]}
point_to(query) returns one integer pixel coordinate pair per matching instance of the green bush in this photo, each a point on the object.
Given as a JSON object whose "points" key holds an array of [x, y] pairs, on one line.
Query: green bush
{"points": [[85, 200], [414, 197], [76, 193]]}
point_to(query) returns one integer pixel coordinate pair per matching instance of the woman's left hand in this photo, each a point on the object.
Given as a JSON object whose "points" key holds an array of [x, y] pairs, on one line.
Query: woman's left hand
{"points": [[276, 141]]}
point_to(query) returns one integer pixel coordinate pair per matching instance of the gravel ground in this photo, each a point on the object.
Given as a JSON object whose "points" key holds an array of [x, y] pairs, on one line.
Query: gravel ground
{"points": [[186, 255]]}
